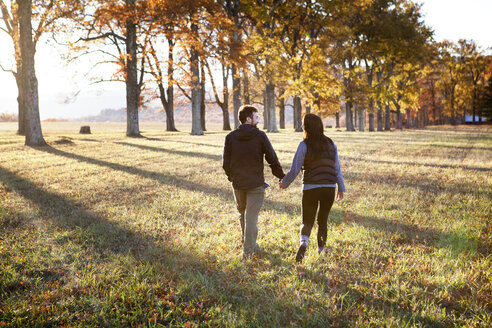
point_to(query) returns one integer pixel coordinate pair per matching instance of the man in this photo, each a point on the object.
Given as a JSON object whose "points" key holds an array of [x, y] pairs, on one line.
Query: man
{"points": [[243, 164]]}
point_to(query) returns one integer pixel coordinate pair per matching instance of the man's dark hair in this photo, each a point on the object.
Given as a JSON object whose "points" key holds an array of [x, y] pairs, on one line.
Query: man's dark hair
{"points": [[246, 111]]}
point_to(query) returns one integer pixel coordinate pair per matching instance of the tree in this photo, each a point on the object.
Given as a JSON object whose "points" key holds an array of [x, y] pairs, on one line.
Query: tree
{"points": [[221, 50], [404, 89], [11, 21], [165, 95], [373, 37], [473, 68], [131, 72], [34, 135], [449, 78], [203, 35], [263, 46], [114, 29], [224, 103], [42, 19], [232, 8]]}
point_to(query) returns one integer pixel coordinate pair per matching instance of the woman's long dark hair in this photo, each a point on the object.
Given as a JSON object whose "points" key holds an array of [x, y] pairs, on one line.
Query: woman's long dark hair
{"points": [[314, 138]]}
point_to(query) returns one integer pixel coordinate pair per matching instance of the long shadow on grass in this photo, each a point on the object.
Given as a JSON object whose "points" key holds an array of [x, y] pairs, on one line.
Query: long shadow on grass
{"points": [[343, 158], [187, 153], [442, 166], [186, 142], [434, 187], [243, 292], [459, 147], [170, 180], [172, 151], [406, 233]]}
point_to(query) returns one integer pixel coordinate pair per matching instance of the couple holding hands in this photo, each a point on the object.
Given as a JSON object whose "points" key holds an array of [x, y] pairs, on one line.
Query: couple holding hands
{"points": [[316, 156]]}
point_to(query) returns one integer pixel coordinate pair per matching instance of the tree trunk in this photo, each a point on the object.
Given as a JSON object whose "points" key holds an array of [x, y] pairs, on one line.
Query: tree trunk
{"points": [[33, 132], [337, 120], [399, 119], [317, 103], [308, 109], [355, 111], [233, 10], [167, 108], [433, 95], [196, 123], [453, 116], [21, 96], [408, 125], [270, 105], [371, 122], [236, 94], [473, 107], [202, 97], [362, 116], [348, 116], [297, 114], [132, 88], [281, 112], [371, 116], [387, 117], [224, 106], [266, 113], [226, 126], [19, 79], [170, 126], [380, 116], [246, 96]]}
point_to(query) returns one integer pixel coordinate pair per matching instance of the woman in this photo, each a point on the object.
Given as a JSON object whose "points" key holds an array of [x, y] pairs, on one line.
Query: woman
{"points": [[317, 156]]}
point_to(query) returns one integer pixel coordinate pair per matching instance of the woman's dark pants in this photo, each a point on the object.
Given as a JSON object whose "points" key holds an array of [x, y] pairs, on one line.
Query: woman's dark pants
{"points": [[312, 199]]}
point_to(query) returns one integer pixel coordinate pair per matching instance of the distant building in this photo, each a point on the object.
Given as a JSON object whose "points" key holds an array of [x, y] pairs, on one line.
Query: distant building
{"points": [[469, 119]]}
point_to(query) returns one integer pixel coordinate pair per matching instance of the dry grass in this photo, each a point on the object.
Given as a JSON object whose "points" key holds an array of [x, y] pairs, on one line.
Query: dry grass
{"points": [[103, 230]]}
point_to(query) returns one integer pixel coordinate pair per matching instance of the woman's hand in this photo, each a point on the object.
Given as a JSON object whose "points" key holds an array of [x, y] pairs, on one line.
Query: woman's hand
{"points": [[281, 185], [339, 195]]}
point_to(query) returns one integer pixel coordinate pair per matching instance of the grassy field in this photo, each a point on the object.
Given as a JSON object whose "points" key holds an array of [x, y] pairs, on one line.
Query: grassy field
{"points": [[104, 230]]}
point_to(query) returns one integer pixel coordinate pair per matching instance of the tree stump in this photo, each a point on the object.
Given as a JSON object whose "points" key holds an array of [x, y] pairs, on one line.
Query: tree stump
{"points": [[85, 129]]}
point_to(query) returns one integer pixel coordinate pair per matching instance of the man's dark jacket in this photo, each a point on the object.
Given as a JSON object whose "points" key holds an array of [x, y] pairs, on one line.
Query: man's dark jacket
{"points": [[243, 157]]}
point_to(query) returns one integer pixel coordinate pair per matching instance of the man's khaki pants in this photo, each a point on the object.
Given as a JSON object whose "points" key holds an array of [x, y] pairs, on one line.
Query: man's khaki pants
{"points": [[248, 204]]}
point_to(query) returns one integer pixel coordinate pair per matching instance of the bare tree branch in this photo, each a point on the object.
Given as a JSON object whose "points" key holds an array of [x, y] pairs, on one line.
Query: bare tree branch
{"points": [[42, 21], [104, 80], [183, 91], [7, 19], [205, 61], [102, 36], [7, 70]]}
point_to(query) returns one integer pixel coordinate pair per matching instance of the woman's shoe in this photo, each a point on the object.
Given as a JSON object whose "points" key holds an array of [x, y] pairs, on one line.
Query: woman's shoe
{"points": [[300, 253]]}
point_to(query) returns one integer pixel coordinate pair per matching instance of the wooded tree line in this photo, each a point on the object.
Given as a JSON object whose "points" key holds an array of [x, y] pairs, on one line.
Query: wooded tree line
{"points": [[365, 59]]}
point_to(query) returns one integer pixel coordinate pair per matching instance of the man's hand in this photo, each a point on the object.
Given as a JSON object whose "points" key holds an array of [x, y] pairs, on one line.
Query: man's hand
{"points": [[281, 185], [339, 195]]}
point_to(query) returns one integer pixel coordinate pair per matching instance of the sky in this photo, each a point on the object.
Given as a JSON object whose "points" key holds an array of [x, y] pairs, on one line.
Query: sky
{"points": [[58, 82]]}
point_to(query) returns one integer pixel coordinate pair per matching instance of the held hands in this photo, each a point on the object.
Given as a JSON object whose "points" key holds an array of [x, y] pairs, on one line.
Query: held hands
{"points": [[281, 185]]}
